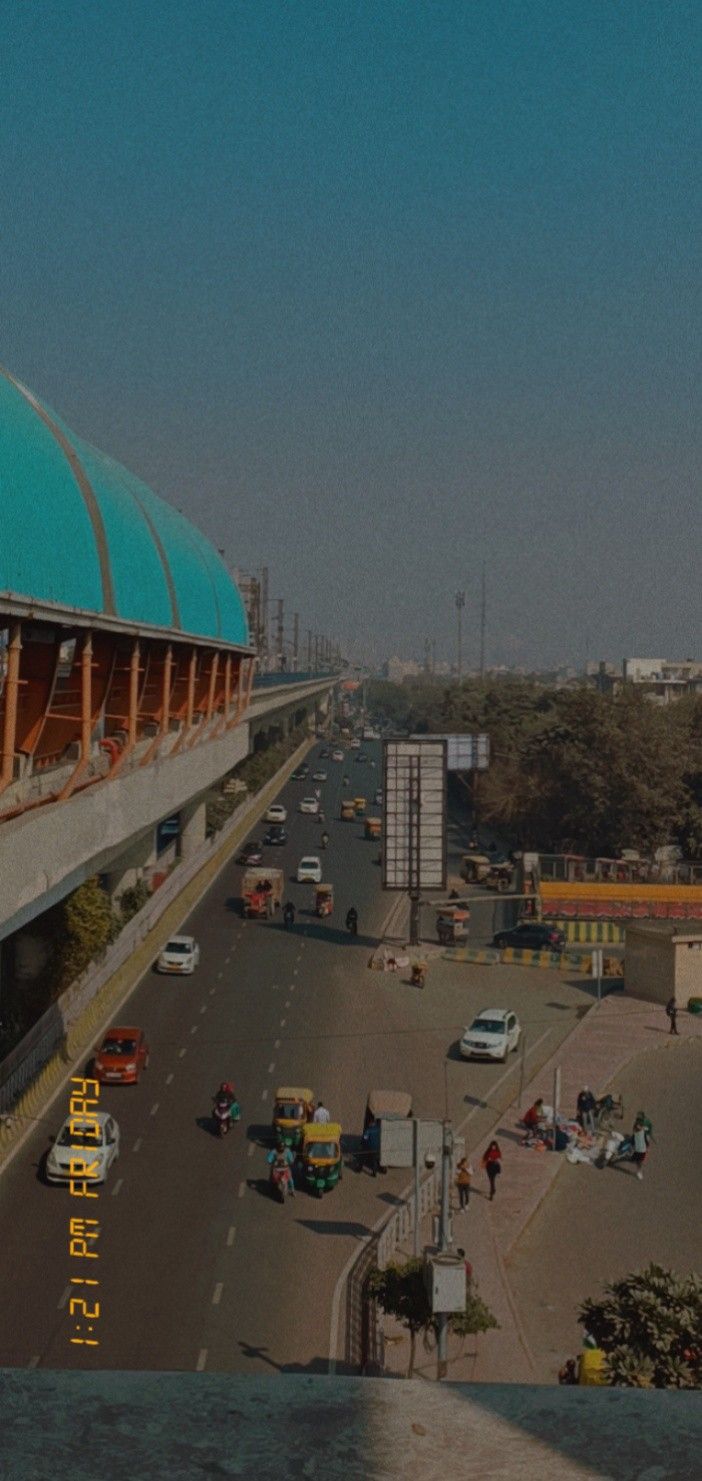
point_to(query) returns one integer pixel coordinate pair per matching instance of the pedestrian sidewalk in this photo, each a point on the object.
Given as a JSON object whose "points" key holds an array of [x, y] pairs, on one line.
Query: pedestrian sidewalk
{"points": [[613, 1033]]}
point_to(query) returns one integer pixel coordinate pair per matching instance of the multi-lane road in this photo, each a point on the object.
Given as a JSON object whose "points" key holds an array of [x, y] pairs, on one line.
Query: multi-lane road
{"points": [[198, 1266]]}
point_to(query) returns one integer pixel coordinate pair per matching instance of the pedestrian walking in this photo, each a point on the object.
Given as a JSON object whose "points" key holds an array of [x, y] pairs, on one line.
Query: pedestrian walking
{"points": [[641, 1140], [321, 1114], [671, 1009], [464, 1173], [492, 1162], [586, 1107]]}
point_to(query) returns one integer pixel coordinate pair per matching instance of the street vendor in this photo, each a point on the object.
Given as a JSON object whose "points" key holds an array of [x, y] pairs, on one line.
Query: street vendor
{"points": [[534, 1117]]}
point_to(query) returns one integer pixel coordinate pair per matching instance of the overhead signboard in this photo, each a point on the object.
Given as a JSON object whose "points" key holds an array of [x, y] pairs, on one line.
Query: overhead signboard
{"points": [[414, 813], [467, 752]]}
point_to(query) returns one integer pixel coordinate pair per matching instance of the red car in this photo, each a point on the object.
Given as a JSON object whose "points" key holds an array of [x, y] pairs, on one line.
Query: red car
{"points": [[122, 1056]]}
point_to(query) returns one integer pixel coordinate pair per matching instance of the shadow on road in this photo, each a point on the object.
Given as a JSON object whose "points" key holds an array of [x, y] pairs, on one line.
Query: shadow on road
{"points": [[333, 935], [336, 1226], [315, 1365], [262, 1135]]}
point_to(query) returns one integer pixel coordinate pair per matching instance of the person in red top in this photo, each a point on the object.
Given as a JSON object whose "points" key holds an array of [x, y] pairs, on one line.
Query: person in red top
{"points": [[534, 1116], [492, 1162]]}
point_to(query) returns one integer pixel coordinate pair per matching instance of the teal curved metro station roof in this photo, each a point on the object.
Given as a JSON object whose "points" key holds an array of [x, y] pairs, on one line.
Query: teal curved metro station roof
{"points": [[80, 531]]}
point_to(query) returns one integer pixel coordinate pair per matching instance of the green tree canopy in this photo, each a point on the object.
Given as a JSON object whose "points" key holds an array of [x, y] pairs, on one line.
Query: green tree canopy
{"points": [[650, 1326]]}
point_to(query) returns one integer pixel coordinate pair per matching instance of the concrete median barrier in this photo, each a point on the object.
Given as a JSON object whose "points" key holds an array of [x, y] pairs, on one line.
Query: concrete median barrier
{"points": [[482, 955], [586, 932]]}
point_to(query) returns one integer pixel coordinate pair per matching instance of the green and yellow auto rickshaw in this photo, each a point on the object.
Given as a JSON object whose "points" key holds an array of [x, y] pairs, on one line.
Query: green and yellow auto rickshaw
{"points": [[320, 1156], [292, 1109]]}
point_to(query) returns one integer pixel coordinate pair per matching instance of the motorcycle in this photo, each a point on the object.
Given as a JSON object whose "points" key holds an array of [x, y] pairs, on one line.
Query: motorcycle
{"points": [[324, 840], [224, 1113], [419, 974], [288, 919], [352, 924], [281, 1177]]}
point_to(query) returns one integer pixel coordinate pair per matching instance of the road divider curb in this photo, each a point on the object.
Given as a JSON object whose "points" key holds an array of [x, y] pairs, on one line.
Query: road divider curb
{"points": [[481, 955], [584, 932]]}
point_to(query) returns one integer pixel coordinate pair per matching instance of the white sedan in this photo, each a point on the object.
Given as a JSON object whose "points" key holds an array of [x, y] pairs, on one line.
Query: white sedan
{"points": [[180, 954], [492, 1035], [277, 813], [84, 1149], [319, 776], [310, 805], [309, 870], [337, 755]]}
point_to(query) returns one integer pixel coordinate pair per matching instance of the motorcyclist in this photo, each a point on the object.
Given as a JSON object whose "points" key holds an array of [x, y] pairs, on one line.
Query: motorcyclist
{"points": [[345, 781], [282, 1158], [352, 920], [289, 915], [324, 839]]}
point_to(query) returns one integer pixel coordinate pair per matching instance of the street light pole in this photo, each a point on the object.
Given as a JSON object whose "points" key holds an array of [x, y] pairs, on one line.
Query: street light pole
{"points": [[460, 600], [444, 1241]]}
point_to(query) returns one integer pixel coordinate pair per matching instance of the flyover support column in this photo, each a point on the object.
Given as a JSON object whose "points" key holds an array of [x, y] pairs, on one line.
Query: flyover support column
{"points": [[9, 727], [193, 819]]}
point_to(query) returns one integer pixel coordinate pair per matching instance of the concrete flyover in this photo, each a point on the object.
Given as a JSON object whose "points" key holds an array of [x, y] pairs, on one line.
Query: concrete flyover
{"points": [[126, 668]]}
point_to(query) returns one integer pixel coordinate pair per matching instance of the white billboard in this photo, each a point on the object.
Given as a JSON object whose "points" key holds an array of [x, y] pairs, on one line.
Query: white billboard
{"points": [[467, 752], [414, 813]]}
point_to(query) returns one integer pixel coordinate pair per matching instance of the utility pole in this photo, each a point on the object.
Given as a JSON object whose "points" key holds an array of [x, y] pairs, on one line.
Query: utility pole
{"points": [[460, 600], [263, 638], [309, 650], [444, 1240], [316, 652], [296, 639], [433, 657], [279, 639], [482, 621]]}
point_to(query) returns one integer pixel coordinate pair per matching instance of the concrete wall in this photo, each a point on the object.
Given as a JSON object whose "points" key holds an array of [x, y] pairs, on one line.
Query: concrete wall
{"points": [[688, 971], [648, 966]]}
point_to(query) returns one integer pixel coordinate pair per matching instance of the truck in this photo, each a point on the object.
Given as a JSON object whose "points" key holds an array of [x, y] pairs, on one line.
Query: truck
{"points": [[262, 892]]}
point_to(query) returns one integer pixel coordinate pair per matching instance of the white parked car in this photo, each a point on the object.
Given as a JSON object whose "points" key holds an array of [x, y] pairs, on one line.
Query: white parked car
{"points": [[92, 1141], [180, 954], [277, 813], [337, 755], [310, 804], [492, 1035], [319, 776], [309, 870]]}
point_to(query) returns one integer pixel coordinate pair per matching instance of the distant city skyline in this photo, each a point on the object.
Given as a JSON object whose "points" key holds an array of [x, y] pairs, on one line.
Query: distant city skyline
{"points": [[378, 293]]}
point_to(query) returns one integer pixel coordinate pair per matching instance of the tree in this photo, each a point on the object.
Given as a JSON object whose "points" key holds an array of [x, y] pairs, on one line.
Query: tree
{"points": [[401, 1292], [88, 925], [650, 1326]]}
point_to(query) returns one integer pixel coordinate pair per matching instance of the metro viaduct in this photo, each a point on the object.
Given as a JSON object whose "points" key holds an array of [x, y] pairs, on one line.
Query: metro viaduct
{"points": [[126, 670]]}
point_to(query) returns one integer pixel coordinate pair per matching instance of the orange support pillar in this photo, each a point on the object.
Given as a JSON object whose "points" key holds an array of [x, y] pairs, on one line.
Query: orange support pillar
{"points": [[11, 688], [86, 717]]}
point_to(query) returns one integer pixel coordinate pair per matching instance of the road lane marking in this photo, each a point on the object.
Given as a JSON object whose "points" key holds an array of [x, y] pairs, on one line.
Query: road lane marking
{"points": [[169, 1078], [271, 1067], [242, 1189], [227, 960], [231, 1235], [34, 1362], [264, 1095], [117, 1187], [154, 1108], [137, 1144], [287, 1003], [64, 1298], [203, 1008], [294, 971], [219, 976], [182, 1053], [217, 1293], [194, 1029], [252, 1149], [277, 1044], [202, 1359], [283, 1022]]}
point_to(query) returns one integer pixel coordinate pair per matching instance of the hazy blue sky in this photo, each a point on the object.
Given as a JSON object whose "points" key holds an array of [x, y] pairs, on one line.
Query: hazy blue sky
{"points": [[375, 290]]}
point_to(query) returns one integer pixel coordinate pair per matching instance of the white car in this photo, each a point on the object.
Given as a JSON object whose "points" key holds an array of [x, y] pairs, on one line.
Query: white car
{"points": [[319, 776], [277, 813], [337, 755], [91, 1141], [180, 954], [310, 804], [355, 744], [309, 870], [492, 1035]]}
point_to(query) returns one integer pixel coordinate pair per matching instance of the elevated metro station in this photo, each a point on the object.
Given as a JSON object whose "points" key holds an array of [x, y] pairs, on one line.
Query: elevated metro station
{"points": [[126, 667]]}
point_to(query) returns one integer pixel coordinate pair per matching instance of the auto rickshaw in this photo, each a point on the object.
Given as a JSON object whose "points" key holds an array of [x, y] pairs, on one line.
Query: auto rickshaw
{"points": [[500, 878], [292, 1109], [359, 804], [324, 899], [475, 867], [373, 828], [320, 1156], [348, 811], [452, 925]]}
